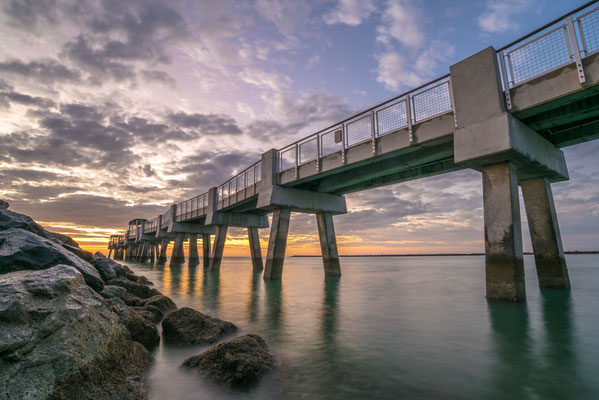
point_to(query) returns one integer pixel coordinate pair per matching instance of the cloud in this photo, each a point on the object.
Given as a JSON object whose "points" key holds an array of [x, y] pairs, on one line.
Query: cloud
{"points": [[30, 12], [207, 124], [402, 22], [13, 97], [289, 16], [499, 15], [350, 12], [47, 70], [158, 76]]}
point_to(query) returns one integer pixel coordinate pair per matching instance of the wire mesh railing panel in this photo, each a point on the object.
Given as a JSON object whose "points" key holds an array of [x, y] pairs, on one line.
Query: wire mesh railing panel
{"points": [[358, 131], [287, 159], [308, 150], [249, 177], [391, 118], [241, 182], [328, 144], [258, 171], [431, 102], [232, 187], [539, 55], [589, 27]]}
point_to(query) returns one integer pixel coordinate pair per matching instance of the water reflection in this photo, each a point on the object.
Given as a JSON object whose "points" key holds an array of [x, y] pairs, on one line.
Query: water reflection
{"points": [[329, 312], [254, 295], [541, 369], [191, 280], [211, 290], [274, 309]]}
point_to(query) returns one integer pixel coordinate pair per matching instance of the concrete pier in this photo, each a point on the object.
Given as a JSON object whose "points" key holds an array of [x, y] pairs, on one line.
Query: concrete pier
{"points": [[328, 244], [255, 251], [206, 250], [178, 256], [504, 266], [194, 259], [163, 247], [277, 242], [219, 246], [552, 271]]}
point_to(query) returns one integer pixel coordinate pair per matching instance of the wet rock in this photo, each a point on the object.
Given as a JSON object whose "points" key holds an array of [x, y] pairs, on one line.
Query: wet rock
{"points": [[23, 250], [105, 266], [136, 289], [163, 303], [61, 239], [151, 313], [4, 204], [142, 280], [110, 292], [239, 362], [142, 330], [79, 252], [188, 326], [61, 340]]}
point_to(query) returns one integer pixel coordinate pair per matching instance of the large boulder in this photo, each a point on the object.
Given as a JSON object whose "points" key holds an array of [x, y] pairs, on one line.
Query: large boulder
{"points": [[105, 266], [188, 326], [239, 362], [136, 289], [141, 330], [60, 340], [4, 204], [23, 250], [13, 220], [113, 266], [110, 292]]}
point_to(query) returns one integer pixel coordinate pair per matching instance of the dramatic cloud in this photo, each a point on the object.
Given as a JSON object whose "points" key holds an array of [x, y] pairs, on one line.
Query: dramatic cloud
{"points": [[47, 70]]}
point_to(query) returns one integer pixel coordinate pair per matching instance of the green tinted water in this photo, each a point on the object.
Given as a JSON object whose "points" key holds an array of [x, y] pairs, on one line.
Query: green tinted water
{"points": [[392, 328]]}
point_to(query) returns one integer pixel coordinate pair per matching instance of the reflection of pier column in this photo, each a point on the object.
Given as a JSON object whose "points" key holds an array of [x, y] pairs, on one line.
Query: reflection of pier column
{"points": [[211, 289], [219, 245], [194, 259], [255, 251], [253, 303], [277, 242], [206, 250], [503, 235], [274, 312], [328, 244], [544, 233], [178, 256], [163, 247]]}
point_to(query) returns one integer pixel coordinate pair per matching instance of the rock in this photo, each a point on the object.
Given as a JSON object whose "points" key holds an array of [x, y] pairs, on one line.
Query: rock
{"points": [[151, 313], [105, 266], [239, 362], [61, 340], [163, 303], [142, 280], [13, 220], [4, 204], [61, 239], [79, 252], [142, 330], [110, 292], [23, 250], [136, 289], [188, 326]]}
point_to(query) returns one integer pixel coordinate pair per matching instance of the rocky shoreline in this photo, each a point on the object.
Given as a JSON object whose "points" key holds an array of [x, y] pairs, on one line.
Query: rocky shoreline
{"points": [[76, 325]]}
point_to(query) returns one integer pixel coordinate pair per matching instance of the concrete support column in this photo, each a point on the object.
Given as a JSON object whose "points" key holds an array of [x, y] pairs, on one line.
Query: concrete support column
{"points": [[503, 233], [206, 250], [552, 271], [328, 244], [109, 252], [255, 251], [219, 246], [178, 256], [143, 256], [277, 242], [152, 253], [194, 259], [163, 247]]}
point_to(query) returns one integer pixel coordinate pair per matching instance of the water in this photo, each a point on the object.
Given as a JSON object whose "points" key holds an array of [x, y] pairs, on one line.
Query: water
{"points": [[392, 328]]}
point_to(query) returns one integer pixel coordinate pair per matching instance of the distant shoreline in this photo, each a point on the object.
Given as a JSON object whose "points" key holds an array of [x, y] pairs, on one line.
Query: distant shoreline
{"points": [[437, 254]]}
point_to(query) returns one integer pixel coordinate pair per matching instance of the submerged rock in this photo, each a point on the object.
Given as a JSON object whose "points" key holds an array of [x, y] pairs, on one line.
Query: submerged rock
{"points": [[23, 250], [239, 362], [61, 340], [188, 326]]}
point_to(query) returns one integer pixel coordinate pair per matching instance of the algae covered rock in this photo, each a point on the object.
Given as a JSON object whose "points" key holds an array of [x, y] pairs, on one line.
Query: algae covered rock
{"points": [[188, 326], [61, 340], [239, 362]]}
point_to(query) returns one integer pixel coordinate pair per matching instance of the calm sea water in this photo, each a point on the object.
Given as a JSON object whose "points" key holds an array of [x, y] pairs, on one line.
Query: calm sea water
{"points": [[392, 328]]}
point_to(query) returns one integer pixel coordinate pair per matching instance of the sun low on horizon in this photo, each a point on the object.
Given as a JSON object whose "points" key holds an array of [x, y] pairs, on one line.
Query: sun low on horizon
{"points": [[114, 110]]}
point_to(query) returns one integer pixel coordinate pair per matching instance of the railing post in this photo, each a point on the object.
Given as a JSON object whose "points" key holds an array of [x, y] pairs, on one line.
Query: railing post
{"points": [[373, 131], [576, 50], [506, 82], [343, 131], [296, 160], [582, 38], [409, 117], [318, 139]]}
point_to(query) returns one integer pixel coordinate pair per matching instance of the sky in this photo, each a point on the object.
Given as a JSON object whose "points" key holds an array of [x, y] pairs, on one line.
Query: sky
{"points": [[111, 110]]}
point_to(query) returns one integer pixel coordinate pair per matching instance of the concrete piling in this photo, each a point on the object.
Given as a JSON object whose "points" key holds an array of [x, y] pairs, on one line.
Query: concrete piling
{"points": [[552, 271], [255, 251], [328, 244], [218, 248], [163, 247], [194, 259], [277, 243], [178, 256], [206, 250], [504, 266]]}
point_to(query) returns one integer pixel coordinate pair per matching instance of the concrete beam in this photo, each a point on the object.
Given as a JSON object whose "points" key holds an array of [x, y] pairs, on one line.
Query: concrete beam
{"points": [[255, 251], [240, 220], [552, 271], [278, 197], [189, 227], [277, 242], [219, 245], [328, 244], [504, 266]]}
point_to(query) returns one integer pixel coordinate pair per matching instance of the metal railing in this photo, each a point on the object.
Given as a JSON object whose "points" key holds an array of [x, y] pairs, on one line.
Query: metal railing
{"points": [[563, 41], [240, 187], [166, 218], [416, 106], [151, 225], [192, 208]]}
